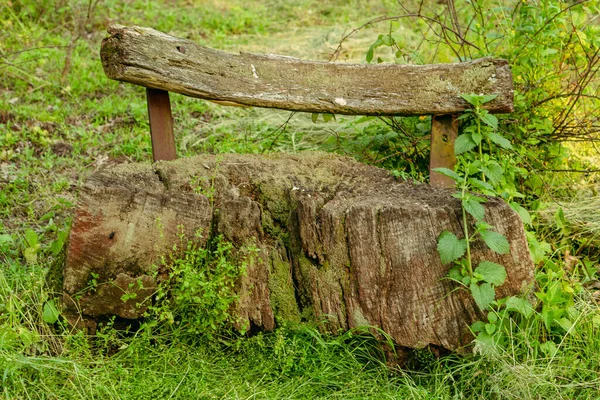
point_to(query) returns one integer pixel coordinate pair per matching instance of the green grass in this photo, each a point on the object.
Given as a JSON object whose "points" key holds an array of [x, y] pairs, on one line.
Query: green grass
{"points": [[61, 119]]}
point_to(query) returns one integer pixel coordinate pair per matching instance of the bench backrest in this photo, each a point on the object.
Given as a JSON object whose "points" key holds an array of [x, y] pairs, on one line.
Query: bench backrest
{"points": [[163, 63]]}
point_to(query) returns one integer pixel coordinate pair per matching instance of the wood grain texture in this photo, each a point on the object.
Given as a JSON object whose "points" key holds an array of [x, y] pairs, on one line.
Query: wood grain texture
{"points": [[444, 131], [340, 242], [149, 58], [161, 125]]}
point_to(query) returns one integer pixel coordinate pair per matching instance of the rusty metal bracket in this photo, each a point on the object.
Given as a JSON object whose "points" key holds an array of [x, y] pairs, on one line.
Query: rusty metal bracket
{"points": [[444, 130], [161, 125]]}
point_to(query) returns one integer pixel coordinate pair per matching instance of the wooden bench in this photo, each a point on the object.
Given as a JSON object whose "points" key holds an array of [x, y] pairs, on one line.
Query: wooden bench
{"points": [[163, 64]]}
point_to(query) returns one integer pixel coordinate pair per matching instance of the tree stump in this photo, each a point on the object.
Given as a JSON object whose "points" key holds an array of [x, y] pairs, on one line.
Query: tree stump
{"points": [[340, 242]]}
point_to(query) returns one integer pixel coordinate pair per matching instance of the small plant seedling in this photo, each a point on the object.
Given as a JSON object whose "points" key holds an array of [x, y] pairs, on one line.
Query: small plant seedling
{"points": [[32, 246], [50, 313]]}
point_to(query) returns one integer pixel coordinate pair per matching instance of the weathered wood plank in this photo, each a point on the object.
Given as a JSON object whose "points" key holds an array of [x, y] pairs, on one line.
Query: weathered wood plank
{"points": [[161, 125], [149, 58], [444, 131]]}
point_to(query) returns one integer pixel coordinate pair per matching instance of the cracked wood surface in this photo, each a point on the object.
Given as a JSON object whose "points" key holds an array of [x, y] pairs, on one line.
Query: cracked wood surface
{"points": [[340, 242], [153, 59]]}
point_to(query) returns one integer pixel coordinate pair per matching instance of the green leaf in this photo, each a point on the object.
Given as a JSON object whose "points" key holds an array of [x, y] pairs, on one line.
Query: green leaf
{"points": [[549, 348], [473, 167], [483, 294], [566, 324], [455, 274], [56, 246], [478, 99], [519, 305], [449, 173], [478, 326], [30, 255], [482, 226], [487, 98], [495, 241], [476, 136], [50, 313], [369, 56], [450, 248], [463, 143], [490, 328], [6, 238], [31, 237], [474, 208], [523, 213], [561, 221], [8, 337], [491, 272], [464, 115], [494, 171], [470, 129], [489, 119], [362, 120], [547, 52], [466, 280], [327, 117], [472, 99], [484, 344], [499, 140], [314, 117], [548, 316], [371, 50], [27, 337], [481, 185]]}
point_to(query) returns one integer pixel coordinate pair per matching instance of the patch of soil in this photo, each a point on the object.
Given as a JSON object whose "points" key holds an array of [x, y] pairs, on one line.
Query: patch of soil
{"points": [[117, 122], [6, 117], [61, 149], [205, 116], [50, 127]]}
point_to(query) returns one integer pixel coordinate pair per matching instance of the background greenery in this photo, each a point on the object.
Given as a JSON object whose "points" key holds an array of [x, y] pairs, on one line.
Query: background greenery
{"points": [[61, 119]]}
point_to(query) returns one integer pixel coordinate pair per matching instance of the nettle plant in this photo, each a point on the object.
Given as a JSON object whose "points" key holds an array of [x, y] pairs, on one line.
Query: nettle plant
{"points": [[487, 275], [477, 175]]}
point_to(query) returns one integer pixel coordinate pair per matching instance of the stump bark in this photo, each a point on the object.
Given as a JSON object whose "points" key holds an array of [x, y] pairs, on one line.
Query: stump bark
{"points": [[340, 242]]}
